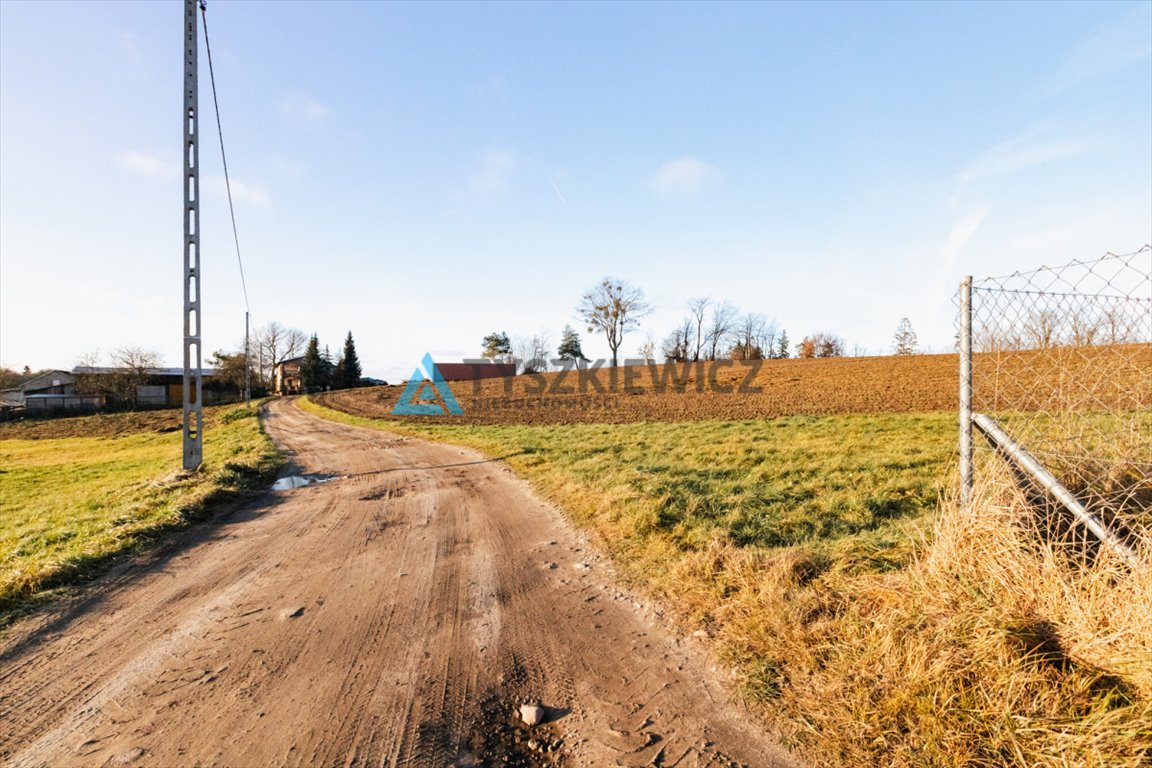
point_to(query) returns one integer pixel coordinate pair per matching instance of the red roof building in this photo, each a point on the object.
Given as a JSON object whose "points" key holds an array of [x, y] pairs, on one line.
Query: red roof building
{"points": [[473, 371]]}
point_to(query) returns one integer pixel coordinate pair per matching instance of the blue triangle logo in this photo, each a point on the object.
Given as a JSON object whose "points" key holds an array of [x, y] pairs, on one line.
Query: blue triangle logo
{"points": [[427, 398]]}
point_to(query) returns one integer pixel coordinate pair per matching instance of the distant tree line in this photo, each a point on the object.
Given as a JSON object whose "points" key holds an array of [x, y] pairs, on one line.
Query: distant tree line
{"points": [[10, 378], [274, 343], [717, 329], [711, 330]]}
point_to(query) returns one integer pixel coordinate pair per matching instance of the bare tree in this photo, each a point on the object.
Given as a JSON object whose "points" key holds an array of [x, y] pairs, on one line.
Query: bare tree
{"points": [[87, 383], [614, 307], [771, 340], [647, 350], [720, 326], [1084, 329], [1120, 327], [697, 309], [532, 352], [276, 343], [134, 366], [136, 359], [677, 346], [904, 341], [753, 337], [1041, 329]]}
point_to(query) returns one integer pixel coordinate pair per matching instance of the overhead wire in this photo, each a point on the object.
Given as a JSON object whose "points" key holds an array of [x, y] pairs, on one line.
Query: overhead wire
{"points": [[231, 206], [223, 156]]}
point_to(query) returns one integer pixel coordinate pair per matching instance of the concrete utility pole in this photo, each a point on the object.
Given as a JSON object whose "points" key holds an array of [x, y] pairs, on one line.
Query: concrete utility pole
{"points": [[247, 364], [193, 383]]}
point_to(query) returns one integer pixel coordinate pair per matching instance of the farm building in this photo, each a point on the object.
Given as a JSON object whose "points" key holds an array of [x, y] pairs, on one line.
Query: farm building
{"points": [[153, 387], [53, 404], [473, 371], [46, 383], [286, 378]]}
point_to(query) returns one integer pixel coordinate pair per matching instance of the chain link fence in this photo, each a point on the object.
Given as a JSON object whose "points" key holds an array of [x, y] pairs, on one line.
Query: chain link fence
{"points": [[1056, 380]]}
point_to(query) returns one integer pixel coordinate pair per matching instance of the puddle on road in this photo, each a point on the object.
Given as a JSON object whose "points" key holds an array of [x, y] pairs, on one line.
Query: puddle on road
{"points": [[299, 481]]}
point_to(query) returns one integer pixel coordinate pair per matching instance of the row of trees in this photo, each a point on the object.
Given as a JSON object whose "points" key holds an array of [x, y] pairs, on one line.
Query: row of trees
{"points": [[1106, 322], [274, 343], [716, 329], [270, 345], [10, 378], [532, 353], [711, 330], [318, 371]]}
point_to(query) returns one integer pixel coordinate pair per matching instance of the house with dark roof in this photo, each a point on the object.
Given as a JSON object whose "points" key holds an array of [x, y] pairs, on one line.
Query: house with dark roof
{"points": [[286, 377]]}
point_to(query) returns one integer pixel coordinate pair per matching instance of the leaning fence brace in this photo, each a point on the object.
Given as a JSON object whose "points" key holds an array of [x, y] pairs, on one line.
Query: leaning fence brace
{"points": [[1019, 455], [1061, 358]]}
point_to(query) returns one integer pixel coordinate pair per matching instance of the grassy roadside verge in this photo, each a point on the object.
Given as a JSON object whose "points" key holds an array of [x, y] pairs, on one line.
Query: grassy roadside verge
{"points": [[873, 622], [74, 504], [854, 489]]}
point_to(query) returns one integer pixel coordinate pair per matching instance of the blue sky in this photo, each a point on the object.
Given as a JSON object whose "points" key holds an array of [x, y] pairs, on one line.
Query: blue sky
{"points": [[423, 174]]}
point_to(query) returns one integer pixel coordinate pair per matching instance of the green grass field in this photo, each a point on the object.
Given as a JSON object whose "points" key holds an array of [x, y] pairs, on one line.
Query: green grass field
{"points": [[73, 504], [857, 485]]}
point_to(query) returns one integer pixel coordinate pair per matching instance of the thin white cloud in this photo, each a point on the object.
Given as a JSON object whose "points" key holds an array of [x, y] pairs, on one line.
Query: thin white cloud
{"points": [[1020, 153], [148, 164], [285, 167], [155, 167], [556, 187], [304, 108], [242, 192], [131, 46], [492, 89], [1123, 42], [962, 232], [683, 176], [495, 167], [1054, 239]]}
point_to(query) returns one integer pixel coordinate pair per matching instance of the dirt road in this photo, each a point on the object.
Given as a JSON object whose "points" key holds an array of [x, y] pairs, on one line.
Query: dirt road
{"points": [[394, 616]]}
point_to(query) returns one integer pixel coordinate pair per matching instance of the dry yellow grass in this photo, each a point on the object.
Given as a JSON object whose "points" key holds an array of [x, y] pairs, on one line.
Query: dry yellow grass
{"points": [[988, 650]]}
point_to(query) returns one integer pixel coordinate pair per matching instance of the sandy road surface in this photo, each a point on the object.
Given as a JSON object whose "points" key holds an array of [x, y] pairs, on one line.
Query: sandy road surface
{"points": [[393, 617]]}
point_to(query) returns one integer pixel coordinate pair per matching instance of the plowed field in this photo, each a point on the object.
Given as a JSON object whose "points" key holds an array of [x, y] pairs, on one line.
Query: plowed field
{"points": [[688, 392], [1075, 378]]}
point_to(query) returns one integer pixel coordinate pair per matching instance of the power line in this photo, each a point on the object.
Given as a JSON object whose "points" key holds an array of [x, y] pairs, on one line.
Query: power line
{"points": [[223, 157], [231, 211]]}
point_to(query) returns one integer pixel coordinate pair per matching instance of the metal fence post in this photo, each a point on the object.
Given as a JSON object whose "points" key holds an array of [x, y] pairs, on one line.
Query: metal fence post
{"points": [[966, 468]]}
